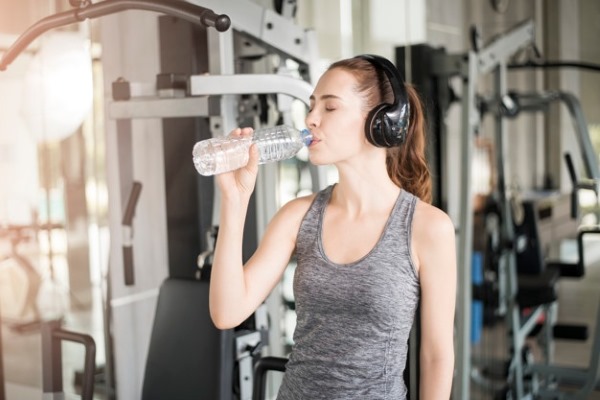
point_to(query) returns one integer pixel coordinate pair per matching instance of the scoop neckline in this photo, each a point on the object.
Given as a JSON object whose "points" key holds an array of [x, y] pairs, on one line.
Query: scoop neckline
{"points": [[375, 246]]}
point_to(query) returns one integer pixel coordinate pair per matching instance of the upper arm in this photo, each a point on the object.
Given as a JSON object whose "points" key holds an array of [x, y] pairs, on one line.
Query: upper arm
{"points": [[266, 266], [434, 242]]}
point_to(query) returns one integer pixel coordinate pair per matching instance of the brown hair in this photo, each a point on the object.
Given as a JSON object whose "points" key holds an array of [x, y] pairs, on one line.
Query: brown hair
{"points": [[406, 164]]}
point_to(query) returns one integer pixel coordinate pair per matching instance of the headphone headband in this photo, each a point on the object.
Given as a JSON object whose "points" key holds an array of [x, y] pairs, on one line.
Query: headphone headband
{"points": [[387, 124]]}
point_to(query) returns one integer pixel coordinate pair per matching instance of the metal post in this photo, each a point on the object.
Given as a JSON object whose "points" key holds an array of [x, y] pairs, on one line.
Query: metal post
{"points": [[470, 122], [509, 256], [2, 389], [51, 359], [247, 343]]}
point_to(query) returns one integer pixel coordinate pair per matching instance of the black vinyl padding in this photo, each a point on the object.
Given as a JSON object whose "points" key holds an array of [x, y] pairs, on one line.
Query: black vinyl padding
{"points": [[538, 289], [188, 358]]}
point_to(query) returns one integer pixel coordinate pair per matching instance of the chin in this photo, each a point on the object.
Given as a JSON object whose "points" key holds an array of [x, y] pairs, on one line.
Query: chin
{"points": [[318, 161]]}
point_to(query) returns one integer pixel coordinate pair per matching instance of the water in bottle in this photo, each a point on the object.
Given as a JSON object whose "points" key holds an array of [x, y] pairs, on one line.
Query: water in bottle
{"points": [[218, 155]]}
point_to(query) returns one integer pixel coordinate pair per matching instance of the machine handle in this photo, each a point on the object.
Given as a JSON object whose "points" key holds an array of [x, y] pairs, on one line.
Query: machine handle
{"points": [[127, 222], [263, 365], [585, 230], [52, 336], [574, 194], [176, 8]]}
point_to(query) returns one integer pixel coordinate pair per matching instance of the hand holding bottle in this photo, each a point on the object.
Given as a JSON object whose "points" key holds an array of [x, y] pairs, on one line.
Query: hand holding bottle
{"points": [[239, 184]]}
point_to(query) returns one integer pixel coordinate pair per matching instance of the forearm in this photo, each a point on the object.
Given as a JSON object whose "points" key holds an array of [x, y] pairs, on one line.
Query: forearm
{"points": [[227, 283], [436, 378]]}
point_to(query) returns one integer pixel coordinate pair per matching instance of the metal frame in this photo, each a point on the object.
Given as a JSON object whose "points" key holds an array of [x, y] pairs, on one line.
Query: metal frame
{"points": [[492, 58], [228, 86], [275, 31], [587, 379], [252, 21]]}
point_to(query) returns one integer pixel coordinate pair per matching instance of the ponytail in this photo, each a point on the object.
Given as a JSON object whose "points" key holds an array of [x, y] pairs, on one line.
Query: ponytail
{"points": [[407, 164]]}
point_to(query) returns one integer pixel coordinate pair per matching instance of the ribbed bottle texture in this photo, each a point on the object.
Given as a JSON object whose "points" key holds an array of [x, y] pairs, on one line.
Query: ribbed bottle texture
{"points": [[218, 155]]}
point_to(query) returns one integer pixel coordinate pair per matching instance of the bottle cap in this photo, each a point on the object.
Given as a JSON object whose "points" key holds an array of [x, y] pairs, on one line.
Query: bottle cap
{"points": [[306, 137]]}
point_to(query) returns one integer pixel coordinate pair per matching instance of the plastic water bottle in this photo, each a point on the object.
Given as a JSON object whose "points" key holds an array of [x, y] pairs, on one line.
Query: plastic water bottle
{"points": [[218, 155]]}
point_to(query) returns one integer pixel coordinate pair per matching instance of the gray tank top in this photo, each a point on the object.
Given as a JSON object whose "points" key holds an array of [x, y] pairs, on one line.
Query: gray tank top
{"points": [[353, 320]]}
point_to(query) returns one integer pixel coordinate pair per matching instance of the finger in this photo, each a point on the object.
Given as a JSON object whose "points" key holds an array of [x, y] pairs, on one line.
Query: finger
{"points": [[236, 132], [248, 131], [253, 159]]}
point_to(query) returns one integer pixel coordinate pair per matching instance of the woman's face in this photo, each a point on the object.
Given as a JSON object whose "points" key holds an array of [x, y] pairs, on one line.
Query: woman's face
{"points": [[336, 119]]}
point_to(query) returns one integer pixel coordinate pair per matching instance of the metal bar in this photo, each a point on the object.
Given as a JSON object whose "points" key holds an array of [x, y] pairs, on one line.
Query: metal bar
{"points": [[221, 61], [2, 387], [126, 183], [573, 374], [505, 46], [51, 359], [52, 336], [528, 323], [507, 237], [274, 31], [134, 195], [127, 221], [590, 159], [176, 8], [89, 371], [250, 84], [470, 121], [261, 367], [245, 344], [160, 108]]}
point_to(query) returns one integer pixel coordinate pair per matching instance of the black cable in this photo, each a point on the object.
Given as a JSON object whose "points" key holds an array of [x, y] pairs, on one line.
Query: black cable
{"points": [[557, 64]]}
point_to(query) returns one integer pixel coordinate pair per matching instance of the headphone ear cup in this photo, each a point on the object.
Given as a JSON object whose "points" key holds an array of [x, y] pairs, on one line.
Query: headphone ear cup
{"points": [[376, 126], [387, 124]]}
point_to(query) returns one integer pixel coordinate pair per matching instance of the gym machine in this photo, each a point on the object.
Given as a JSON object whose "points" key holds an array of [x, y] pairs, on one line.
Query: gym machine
{"points": [[223, 98], [84, 10], [435, 68], [219, 97]]}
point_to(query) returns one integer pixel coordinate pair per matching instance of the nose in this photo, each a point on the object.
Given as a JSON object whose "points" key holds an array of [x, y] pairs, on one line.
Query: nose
{"points": [[312, 119]]}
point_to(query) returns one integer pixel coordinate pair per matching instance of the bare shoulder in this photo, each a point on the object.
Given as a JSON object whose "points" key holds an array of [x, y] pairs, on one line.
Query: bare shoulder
{"points": [[433, 238], [431, 224], [298, 206], [285, 224], [292, 213]]}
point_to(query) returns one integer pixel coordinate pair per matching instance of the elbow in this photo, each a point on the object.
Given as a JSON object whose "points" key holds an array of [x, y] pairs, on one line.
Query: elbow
{"points": [[221, 321], [438, 356], [222, 325], [444, 361]]}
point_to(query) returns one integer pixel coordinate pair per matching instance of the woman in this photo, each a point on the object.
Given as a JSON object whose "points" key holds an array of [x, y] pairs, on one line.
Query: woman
{"points": [[369, 248]]}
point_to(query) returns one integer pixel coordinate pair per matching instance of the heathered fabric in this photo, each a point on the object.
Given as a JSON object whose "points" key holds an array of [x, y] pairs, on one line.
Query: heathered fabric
{"points": [[353, 320]]}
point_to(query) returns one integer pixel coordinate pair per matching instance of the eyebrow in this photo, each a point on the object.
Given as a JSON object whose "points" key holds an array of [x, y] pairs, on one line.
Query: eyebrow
{"points": [[325, 97]]}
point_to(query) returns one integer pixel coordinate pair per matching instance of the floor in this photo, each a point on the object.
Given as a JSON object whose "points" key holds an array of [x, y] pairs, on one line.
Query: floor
{"points": [[579, 301]]}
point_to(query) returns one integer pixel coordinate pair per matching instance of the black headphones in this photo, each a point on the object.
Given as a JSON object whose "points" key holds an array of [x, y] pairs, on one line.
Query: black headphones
{"points": [[387, 124]]}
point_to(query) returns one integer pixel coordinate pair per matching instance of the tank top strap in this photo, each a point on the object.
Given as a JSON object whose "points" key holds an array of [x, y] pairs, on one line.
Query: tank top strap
{"points": [[322, 199], [403, 211], [308, 233], [397, 237]]}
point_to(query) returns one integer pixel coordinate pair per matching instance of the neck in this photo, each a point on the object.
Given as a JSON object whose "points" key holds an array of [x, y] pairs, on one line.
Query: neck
{"points": [[364, 186]]}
